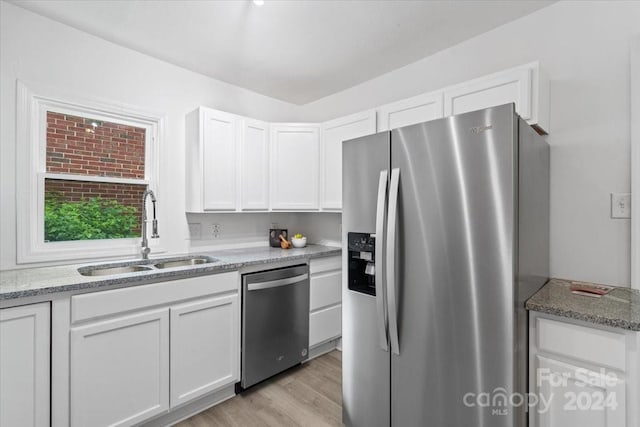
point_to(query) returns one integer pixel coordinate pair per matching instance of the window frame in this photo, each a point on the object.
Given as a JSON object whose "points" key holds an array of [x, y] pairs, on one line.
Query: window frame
{"points": [[31, 172]]}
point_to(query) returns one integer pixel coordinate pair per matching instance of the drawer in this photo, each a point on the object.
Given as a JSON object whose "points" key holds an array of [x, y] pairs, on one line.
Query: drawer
{"points": [[106, 303], [603, 348], [325, 324], [325, 289], [320, 265]]}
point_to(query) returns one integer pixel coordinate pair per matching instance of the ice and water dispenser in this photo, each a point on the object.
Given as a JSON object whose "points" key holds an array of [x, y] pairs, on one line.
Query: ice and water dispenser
{"points": [[362, 267]]}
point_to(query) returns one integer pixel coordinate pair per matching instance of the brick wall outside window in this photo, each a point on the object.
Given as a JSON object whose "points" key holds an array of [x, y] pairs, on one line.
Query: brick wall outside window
{"points": [[75, 146], [75, 191]]}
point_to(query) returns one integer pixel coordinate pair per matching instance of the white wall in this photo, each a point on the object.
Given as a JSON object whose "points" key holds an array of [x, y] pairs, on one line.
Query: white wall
{"points": [[38, 50], [584, 48]]}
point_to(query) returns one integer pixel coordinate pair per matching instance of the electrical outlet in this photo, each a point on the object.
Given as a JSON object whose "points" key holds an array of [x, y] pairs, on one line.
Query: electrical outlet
{"points": [[620, 205], [216, 230], [195, 230]]}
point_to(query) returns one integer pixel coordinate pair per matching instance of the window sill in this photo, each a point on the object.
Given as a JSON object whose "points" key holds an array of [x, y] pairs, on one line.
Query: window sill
{"points": [[73, 252]]}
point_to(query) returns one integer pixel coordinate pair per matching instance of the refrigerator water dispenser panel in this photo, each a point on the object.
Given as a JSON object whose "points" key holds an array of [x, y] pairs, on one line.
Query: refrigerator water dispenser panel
{"points": [[362, 268]]}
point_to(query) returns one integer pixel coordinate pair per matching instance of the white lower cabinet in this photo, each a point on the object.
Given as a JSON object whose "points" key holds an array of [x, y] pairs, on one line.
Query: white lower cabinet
{"points": [[581, 374], [120, 370], [24, 365], [325, 317], [138, 352], [205, 345], [577, 396], [325, 324]]}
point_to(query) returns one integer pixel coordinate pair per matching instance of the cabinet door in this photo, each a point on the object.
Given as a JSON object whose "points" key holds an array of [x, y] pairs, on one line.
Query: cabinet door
{"points": [[24, 365], [205, 347], [577, 396], [325, 324], [333, 133], [120, 370], [498, 89], [325, 289], [219, 140], [255, 165], [410, 111], [294, 166]]}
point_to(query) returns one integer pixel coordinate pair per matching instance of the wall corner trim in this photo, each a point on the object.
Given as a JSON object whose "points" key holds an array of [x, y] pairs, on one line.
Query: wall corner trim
{"points": [[635, 161]]}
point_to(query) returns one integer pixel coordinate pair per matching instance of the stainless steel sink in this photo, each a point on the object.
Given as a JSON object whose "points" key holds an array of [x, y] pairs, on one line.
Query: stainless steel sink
{"points": [[140, 266], [108, 271], [185, 262]]}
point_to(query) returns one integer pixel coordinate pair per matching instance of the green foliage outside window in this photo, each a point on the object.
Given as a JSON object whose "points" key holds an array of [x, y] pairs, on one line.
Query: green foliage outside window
{"points": [[93, 218]]}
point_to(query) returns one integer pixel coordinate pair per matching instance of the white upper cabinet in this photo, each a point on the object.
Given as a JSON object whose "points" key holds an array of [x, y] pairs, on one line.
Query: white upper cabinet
{"points": [[234, 163], [334, 133], [220, 141], [294, 166], [410, 111], [525, 86], [255, 165], [227, 162], [211, 168]]}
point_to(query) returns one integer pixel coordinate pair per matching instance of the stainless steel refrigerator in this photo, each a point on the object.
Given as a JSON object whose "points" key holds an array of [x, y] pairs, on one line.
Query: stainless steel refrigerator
{"points": [[445, 236]]}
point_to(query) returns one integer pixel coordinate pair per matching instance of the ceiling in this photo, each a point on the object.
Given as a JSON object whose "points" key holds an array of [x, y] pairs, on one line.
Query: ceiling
{"points": [[296, 51]]}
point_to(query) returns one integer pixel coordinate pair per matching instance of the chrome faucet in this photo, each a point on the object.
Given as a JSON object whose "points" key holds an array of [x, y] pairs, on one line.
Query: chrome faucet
{"points": [[154, 227]]}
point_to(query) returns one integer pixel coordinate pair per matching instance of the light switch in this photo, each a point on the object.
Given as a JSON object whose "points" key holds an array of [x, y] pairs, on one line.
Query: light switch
{"points": [[620, 205]]}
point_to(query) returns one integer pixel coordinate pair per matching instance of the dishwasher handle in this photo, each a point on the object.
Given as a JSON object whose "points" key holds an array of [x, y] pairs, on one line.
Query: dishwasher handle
{"points": [[275, 283]]}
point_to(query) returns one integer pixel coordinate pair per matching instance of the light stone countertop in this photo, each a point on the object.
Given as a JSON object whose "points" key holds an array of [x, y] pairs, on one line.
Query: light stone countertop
{"points": [[620, 308], [38, 281]]}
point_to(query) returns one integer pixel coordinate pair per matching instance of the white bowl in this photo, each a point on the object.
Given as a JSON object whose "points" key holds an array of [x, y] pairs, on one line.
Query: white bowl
{"points": [[299, 243]]}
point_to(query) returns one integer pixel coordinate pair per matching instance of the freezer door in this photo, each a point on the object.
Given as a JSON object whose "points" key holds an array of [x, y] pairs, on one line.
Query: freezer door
{"points": [[365, 365], [454, 255]]}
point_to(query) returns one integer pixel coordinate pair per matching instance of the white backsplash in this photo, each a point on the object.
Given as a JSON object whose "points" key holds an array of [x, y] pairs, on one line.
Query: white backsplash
{"points": [[235, 230]]}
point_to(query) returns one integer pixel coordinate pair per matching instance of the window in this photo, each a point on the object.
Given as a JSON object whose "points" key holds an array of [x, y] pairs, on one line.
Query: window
{"points": [[78, 207], [86, 166]]}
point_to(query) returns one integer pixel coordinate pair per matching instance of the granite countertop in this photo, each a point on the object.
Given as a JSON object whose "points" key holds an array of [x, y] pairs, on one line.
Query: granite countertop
{"points": [[620, 308], [30, 282]]}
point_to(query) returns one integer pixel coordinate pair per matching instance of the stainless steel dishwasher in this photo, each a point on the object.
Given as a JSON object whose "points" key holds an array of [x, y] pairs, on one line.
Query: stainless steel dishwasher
{"points": [[275, 322]]}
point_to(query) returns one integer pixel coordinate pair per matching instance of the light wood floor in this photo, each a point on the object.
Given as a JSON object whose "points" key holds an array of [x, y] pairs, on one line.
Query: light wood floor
{"points": [[309, 395]]}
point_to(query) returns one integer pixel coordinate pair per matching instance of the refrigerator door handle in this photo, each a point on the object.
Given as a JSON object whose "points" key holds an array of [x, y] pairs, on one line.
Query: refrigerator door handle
{"points": [[391, 260], [381, 213]]}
